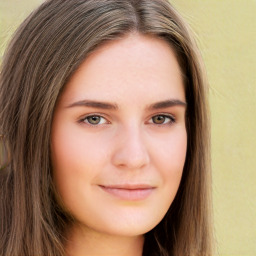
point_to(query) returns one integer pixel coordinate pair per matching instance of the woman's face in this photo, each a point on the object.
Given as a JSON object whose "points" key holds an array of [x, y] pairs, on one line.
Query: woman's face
{"points": [[119, 138]]}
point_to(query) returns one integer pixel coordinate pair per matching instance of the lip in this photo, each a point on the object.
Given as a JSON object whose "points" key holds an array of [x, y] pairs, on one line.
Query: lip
{"points": [[129, 192]]}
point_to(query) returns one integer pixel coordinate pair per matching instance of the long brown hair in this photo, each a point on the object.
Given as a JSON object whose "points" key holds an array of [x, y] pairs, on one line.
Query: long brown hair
{"points": [[44, 53]]}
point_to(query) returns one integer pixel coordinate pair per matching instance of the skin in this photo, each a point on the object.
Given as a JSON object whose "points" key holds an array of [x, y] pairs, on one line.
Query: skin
{"points": [[118, 162]]}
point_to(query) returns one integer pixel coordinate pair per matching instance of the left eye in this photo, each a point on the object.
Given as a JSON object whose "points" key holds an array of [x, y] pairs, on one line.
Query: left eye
{"points": [[94, 120], [162, 119]]}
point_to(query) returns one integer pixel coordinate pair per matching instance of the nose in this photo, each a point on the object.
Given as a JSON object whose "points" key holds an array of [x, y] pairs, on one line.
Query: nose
{"points": [[130, 151]]}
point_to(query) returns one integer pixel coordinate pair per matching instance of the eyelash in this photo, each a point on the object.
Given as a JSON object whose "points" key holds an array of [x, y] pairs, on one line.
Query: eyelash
{"points": [[85, 119], [165, 116]]}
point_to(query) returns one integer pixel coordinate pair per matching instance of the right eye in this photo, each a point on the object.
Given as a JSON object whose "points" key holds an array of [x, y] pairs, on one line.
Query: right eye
{"points": [[94, 120]]}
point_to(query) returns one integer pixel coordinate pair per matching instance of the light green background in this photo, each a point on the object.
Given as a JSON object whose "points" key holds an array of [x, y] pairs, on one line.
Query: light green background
{"points": [[226, 35]]}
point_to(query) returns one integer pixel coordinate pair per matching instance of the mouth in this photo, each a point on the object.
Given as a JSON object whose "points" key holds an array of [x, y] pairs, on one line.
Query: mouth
{"points": [[129, 192]]}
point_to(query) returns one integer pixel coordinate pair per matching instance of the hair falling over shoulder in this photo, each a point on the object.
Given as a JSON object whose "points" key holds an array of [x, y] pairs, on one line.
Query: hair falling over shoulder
{"points": [[45, 51]]}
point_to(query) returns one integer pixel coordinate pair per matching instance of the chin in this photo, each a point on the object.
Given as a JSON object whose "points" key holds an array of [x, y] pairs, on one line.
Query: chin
{"points": [[133, 226]]}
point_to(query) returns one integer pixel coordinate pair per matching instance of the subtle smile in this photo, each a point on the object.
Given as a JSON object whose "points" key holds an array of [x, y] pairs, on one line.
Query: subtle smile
{"points": [[129, 192]]}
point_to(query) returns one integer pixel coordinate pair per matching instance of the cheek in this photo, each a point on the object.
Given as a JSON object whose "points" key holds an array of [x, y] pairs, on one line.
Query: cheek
{"points": [[170, 152], [73, 149], [170, 160], [77, 160], [67, 159]]}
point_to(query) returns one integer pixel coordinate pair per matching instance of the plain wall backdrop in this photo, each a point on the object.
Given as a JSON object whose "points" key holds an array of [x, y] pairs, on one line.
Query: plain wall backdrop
{"points": [[226, 35], [226, 32]]}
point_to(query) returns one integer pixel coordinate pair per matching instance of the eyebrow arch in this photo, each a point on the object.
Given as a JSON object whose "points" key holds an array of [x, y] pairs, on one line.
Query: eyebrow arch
{"points": [[167, 104], [93, 104], [109, 106]]}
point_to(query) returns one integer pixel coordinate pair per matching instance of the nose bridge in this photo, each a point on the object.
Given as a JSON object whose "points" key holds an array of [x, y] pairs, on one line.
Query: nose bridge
{"points": [[131, 149]]}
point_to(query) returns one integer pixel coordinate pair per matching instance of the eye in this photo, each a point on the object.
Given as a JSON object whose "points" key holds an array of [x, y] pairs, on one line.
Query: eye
{"points": [[162, 119], [94, 120]]}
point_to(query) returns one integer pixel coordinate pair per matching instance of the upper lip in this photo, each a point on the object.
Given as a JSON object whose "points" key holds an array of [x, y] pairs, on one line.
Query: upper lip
{"points": [[128, 186]]}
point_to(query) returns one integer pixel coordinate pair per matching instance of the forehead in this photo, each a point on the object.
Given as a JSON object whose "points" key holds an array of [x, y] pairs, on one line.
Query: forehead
{"points": [[134, 65]]}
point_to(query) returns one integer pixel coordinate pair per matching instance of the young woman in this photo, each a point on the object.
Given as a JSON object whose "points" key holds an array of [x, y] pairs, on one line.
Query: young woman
{"points": [[104, 114]]}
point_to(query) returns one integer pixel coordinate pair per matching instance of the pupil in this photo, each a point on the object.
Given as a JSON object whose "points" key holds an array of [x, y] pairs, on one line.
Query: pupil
{"points": [[158, 119], [94, 119]]}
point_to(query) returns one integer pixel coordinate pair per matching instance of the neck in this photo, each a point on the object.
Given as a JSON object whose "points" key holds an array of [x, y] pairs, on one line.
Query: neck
{"points": [[86, 242]]}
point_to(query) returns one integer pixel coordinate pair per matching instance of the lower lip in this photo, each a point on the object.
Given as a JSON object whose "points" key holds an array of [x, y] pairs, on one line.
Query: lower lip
{"points": [[129, 194]]}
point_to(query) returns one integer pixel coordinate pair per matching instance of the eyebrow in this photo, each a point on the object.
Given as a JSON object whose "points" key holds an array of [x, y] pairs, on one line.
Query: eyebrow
{"points": [[167, 104], [110, 106], [94, 104]]}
